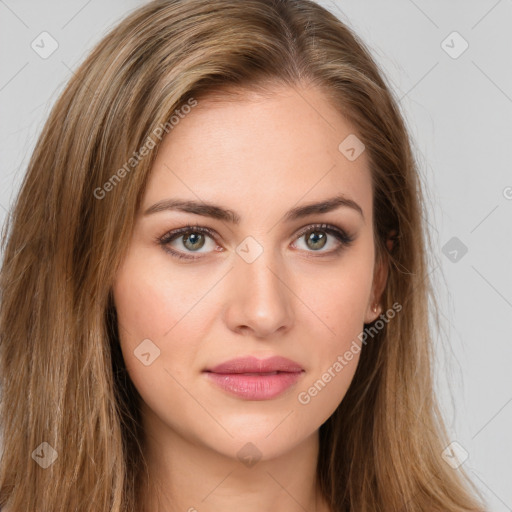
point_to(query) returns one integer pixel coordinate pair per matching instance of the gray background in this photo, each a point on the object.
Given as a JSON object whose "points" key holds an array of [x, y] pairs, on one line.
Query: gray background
{"points": [[459, 112]]}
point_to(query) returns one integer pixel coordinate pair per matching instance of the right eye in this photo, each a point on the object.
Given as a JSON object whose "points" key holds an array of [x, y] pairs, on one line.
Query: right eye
{"points": [[190, 238]]}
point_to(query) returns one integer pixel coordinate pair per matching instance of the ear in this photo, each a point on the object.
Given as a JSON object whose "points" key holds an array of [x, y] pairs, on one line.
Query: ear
{"points": [[380, 277]]}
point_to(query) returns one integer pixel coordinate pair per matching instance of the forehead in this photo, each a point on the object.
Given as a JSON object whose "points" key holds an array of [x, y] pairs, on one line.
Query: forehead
{"points": [[266, 149]]}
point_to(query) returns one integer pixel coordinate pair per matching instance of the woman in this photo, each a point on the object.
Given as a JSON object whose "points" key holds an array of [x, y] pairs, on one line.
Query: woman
{"points": [[214, 291]]}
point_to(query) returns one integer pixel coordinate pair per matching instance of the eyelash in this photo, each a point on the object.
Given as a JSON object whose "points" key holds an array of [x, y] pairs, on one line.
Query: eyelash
{"points": [[345, 239]]}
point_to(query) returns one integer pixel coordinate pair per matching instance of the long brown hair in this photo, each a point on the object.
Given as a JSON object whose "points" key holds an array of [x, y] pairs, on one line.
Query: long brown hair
{"points": [[63, 379]]}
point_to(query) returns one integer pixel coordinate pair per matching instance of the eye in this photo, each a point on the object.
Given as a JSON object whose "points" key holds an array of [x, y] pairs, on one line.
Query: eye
{"points": [[316, 237], [191, 239]]}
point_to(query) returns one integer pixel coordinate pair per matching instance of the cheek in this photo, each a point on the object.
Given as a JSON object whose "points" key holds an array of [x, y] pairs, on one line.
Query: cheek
{"points": [[154, 328], [339, 309], [338, 299], [146, 311], [323, 392], [166, 308], [336, 355], [150, 301]]}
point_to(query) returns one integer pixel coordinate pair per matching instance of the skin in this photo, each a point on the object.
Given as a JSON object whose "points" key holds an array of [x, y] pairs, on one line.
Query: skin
{"points": [[259, 157]]}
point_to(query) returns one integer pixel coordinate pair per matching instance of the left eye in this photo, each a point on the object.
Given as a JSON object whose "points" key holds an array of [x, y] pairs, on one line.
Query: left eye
{"points": [[316, 237], [193, 239]]}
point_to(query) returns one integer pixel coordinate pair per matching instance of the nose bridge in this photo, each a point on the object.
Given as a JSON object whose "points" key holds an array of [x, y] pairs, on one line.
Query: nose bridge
{"points": [[261, 299]]}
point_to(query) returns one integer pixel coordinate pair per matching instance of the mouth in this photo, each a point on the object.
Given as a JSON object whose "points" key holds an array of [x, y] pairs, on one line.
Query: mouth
{"points": [[255, 379]]}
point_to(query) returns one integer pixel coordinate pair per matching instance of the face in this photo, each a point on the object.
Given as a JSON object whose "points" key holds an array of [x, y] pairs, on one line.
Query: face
{"points": [[257, 276]]}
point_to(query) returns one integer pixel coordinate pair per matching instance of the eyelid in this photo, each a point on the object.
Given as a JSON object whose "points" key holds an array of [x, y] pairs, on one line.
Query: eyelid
{"points": [[321, 227]]}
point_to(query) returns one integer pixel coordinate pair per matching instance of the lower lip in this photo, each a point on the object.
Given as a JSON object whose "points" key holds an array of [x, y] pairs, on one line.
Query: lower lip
{"points": [[255, 387]]}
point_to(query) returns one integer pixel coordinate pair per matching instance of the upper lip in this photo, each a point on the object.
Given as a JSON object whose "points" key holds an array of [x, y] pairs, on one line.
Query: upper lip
{"points": [[253, 365]]}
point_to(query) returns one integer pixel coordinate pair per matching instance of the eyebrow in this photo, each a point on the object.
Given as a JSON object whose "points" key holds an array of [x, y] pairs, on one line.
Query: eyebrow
{"points": [[224, 214]]}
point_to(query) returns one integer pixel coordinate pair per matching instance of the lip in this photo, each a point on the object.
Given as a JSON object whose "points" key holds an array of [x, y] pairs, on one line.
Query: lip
{"points": [[255, 379]]}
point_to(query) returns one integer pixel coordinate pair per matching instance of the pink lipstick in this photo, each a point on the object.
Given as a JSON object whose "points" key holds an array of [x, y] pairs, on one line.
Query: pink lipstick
{"points": [[255, 379]]}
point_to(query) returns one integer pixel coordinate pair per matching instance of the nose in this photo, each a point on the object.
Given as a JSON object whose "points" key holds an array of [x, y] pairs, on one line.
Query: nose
{"points": [[260, 299]]}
